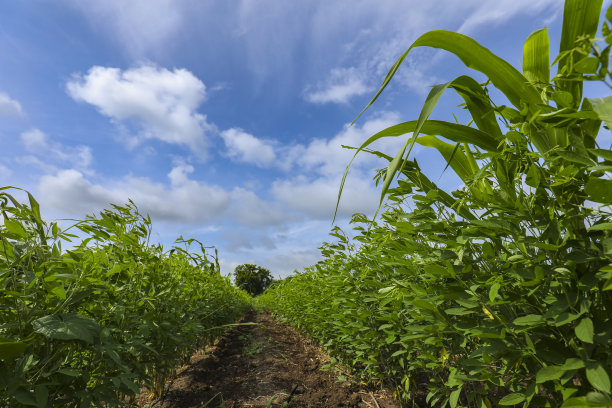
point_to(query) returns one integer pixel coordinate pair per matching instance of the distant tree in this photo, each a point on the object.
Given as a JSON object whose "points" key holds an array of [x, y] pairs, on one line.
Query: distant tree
{"points": [[252, 278]]}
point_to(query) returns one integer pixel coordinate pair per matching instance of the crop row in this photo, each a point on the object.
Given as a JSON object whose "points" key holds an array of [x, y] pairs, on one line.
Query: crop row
{"points": [[90, 325], [499, 293]]}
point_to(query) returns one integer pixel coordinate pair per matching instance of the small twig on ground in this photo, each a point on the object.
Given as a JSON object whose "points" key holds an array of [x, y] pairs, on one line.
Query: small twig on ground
{"points": [[377, 406]]}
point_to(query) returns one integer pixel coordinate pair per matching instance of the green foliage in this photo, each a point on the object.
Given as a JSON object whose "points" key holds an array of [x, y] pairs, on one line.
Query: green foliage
{"points": [[499, 293], [252, 278], [90, 325]]}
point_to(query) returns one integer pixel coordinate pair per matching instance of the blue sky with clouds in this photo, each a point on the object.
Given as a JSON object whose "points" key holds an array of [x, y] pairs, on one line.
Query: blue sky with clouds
{"points": [[224, 120]]}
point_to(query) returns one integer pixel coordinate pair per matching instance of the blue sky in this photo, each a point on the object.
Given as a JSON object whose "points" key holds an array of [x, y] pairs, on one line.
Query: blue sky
{"points": [[224, 120]]}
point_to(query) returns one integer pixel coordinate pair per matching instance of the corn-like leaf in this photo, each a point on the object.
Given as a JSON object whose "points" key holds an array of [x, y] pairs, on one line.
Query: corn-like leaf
{"points": [[454, 157], [452, 131], [479, 105], [535, 57], [580, 18], [503, 75]]}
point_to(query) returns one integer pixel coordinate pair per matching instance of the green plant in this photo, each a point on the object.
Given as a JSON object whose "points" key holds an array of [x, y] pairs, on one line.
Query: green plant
{"points": [[88, 326], [252, 278], [498, 293]]}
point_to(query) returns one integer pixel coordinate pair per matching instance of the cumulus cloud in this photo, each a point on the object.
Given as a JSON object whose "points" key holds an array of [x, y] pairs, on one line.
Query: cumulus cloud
{"points": [[244, 147], [38, 143], [162, 103], [183, 201], [250, 210], [9, 107], [342, 85], [317, 198]]}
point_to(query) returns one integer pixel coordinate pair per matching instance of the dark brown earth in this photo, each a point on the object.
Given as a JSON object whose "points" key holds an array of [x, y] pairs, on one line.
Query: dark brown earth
{"points": [[264, 365]]}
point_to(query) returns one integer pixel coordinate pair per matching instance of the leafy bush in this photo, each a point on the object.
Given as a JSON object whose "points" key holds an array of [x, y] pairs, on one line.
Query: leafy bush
{"points": [[90, 325], [498, 293], [252, 278]]}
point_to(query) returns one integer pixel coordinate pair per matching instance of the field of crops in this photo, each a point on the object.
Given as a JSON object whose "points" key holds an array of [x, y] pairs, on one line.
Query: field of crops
{"points": [[90, 325], [499, 293]]}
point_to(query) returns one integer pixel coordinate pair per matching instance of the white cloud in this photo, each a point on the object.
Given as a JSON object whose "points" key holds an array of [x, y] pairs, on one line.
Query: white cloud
{"points": [[246, 148], [251, 211], [317, 198], [36, 142], [183, 201], [342, 85], [9, 107], [161, 102]]}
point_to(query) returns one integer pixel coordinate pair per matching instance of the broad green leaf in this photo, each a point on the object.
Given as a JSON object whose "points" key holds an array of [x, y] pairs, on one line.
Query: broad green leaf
{"points": [[603, 108], [599, 399], [438, 270], [599, 190], [603, 153], [493, 291], [584, 330], [573, 364], [587, 65], [67, 327], [536, 64], [548, 373], [529, 320], [454, 397], [604, 226], [15, 227], [533, 177], [512, 399], [598, 377]]}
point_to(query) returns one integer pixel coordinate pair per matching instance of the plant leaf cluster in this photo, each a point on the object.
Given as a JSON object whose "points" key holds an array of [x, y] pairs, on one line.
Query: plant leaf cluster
{"points": [[499, 293], [90, 325]]}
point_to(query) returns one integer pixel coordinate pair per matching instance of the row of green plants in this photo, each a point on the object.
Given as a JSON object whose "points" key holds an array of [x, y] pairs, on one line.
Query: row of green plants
{"points": [[91, 324], [499, 293]]}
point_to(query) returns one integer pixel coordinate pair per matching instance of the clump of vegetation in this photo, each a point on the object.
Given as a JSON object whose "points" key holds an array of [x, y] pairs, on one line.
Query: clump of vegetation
{"points": [[499, 293], [90, 325], [252, 278]]}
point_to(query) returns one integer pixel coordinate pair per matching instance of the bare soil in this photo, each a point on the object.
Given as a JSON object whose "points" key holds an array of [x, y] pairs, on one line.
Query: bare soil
{"points": [[264, 365]]}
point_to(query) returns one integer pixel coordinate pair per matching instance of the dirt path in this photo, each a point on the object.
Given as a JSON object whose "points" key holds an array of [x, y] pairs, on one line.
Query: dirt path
{"points": [[264, 365]]}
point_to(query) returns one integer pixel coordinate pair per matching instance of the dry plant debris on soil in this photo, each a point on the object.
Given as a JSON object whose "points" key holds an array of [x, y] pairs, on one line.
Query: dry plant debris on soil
{"points": [[266, 364]]}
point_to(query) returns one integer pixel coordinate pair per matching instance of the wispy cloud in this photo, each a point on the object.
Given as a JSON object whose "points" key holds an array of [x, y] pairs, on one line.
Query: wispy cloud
{"points": [[342, 85], [39, 144], [140, 26]]}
